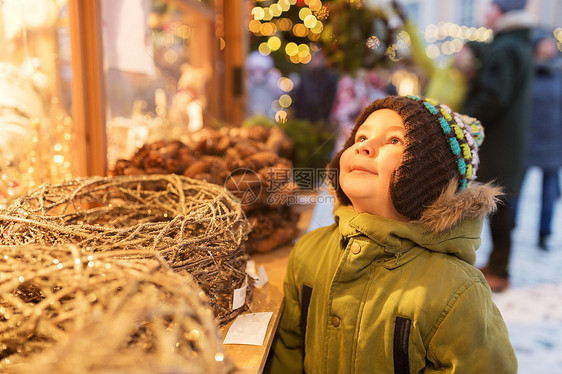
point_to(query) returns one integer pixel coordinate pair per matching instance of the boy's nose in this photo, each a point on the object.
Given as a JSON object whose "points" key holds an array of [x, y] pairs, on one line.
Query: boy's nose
{"points": [[366, 149]]}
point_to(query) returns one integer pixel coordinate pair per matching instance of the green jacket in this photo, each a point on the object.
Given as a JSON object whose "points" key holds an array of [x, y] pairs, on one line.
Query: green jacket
{"points": [[373, 295]]}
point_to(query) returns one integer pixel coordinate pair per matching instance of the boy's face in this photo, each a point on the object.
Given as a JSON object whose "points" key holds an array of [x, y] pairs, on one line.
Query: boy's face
{"points": [[367, 166]]}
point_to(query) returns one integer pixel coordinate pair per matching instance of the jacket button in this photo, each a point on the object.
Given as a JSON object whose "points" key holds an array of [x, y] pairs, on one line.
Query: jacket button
{"points": [[355, 248], [335, 321]]}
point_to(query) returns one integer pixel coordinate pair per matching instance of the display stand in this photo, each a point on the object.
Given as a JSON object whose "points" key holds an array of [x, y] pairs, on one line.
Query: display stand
{"points": [[249, 358]]}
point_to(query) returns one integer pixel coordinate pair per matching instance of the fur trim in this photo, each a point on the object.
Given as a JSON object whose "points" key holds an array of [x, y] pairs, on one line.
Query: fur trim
{"points": [[451, 207]]}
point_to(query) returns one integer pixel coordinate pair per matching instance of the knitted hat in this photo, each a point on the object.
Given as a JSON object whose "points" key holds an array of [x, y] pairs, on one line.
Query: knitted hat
{"points": [[440, 145], [509, 5]]}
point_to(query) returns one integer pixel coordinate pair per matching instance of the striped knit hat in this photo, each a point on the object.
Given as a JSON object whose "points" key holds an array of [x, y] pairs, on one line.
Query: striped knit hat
{"points": [[439, 145]]}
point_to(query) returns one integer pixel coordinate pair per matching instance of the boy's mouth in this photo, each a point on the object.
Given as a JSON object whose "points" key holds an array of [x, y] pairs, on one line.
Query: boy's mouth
{"points": [[361, 169]]}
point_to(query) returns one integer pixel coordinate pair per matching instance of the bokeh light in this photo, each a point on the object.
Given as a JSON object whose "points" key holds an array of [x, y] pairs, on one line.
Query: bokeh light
{"points": [[304, 12], [285, 84], [285, 101], [264, 49], [274, 43], [310, 21], [291, 49], [373, 42], [258, 13]]}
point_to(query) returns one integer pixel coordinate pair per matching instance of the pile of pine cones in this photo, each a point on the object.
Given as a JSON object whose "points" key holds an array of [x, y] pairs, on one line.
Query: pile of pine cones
{"points": [[250, 162]]}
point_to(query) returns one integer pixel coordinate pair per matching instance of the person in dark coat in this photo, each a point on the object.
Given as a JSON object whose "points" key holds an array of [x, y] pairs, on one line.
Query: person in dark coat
{"points": [[500, 96], [545, 131]]}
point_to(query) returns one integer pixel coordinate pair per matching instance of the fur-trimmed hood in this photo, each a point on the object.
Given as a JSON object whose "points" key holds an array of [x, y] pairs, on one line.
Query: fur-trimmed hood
{"points": [[451, 207]]}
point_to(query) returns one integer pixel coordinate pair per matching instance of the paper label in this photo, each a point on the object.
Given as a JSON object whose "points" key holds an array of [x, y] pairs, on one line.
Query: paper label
{"points": [[248, 329], [239, 298]]}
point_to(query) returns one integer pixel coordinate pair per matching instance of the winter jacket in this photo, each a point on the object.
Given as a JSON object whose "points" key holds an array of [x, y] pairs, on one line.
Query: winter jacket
{"points": [[374, 295], [500, 97], [545, 129]]}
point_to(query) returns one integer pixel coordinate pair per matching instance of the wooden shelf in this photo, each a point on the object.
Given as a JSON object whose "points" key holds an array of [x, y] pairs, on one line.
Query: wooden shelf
{"points": [[248, 358]]}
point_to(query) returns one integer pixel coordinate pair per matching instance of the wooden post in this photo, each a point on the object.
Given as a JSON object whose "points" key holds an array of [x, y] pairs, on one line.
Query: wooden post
{"points": [[88, 88], [235, 46]]}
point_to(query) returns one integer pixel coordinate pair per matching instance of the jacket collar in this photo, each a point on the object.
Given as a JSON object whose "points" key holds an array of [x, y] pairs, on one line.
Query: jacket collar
{"points": [[402, 241]]}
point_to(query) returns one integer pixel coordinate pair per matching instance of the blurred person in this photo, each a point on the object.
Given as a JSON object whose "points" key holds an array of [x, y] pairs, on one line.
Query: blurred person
{"points": [[545, 131], [315, 93], [499, 95], [261, 84]]}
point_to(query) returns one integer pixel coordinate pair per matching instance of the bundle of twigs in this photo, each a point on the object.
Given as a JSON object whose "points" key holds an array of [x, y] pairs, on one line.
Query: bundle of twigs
{"points": [[196, 226], [66, 310]]}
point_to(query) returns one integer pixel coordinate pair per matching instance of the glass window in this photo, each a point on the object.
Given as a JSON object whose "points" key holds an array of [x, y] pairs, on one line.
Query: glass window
{"points": [[159, 70], [35, 73]]}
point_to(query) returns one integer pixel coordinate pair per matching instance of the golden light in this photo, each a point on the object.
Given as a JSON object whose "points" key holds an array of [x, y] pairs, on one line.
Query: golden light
{"points": [[285, 101], [284, 4], [284, 24], [403, 39], [318, 28], [274, 43], [275, 10], [264, 49], [285, 84], [295, 59], [373, 42], [254, 26], [291, 49], [281, 116], [300, 30], [267, 16], [267, 28], [306, 59], [315, 5], [405, 82], [184, 31], [304, 12], [314, 37], [391, 53], [304, 50], [258, 13], [310, 21]]}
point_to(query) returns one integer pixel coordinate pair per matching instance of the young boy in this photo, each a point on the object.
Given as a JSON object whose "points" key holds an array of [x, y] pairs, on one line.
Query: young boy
{"points": [[391, 286]]}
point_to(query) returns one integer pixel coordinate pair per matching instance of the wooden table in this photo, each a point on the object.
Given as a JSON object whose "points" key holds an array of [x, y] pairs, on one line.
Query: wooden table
{"points": [[249, 358]]}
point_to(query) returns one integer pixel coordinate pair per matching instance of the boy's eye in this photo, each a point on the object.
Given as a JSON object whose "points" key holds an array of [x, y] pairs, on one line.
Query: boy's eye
{"points": [[360, 138], [395, 140]]}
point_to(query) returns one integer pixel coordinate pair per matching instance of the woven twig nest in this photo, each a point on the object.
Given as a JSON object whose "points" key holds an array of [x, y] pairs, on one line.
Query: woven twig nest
{"points": [[66, 310], [196, 226]]}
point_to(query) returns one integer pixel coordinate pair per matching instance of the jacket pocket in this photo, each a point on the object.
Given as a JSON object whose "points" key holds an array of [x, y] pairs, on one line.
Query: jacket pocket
{"points": [[305, 303], [401, 341]]}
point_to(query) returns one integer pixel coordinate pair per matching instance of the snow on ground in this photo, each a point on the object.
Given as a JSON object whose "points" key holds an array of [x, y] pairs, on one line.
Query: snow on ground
{"points": [[532, 307]]}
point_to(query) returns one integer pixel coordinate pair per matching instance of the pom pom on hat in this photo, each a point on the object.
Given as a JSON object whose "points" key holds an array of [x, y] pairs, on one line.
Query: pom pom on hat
{"points": [[440, 145], [509, 5]]}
